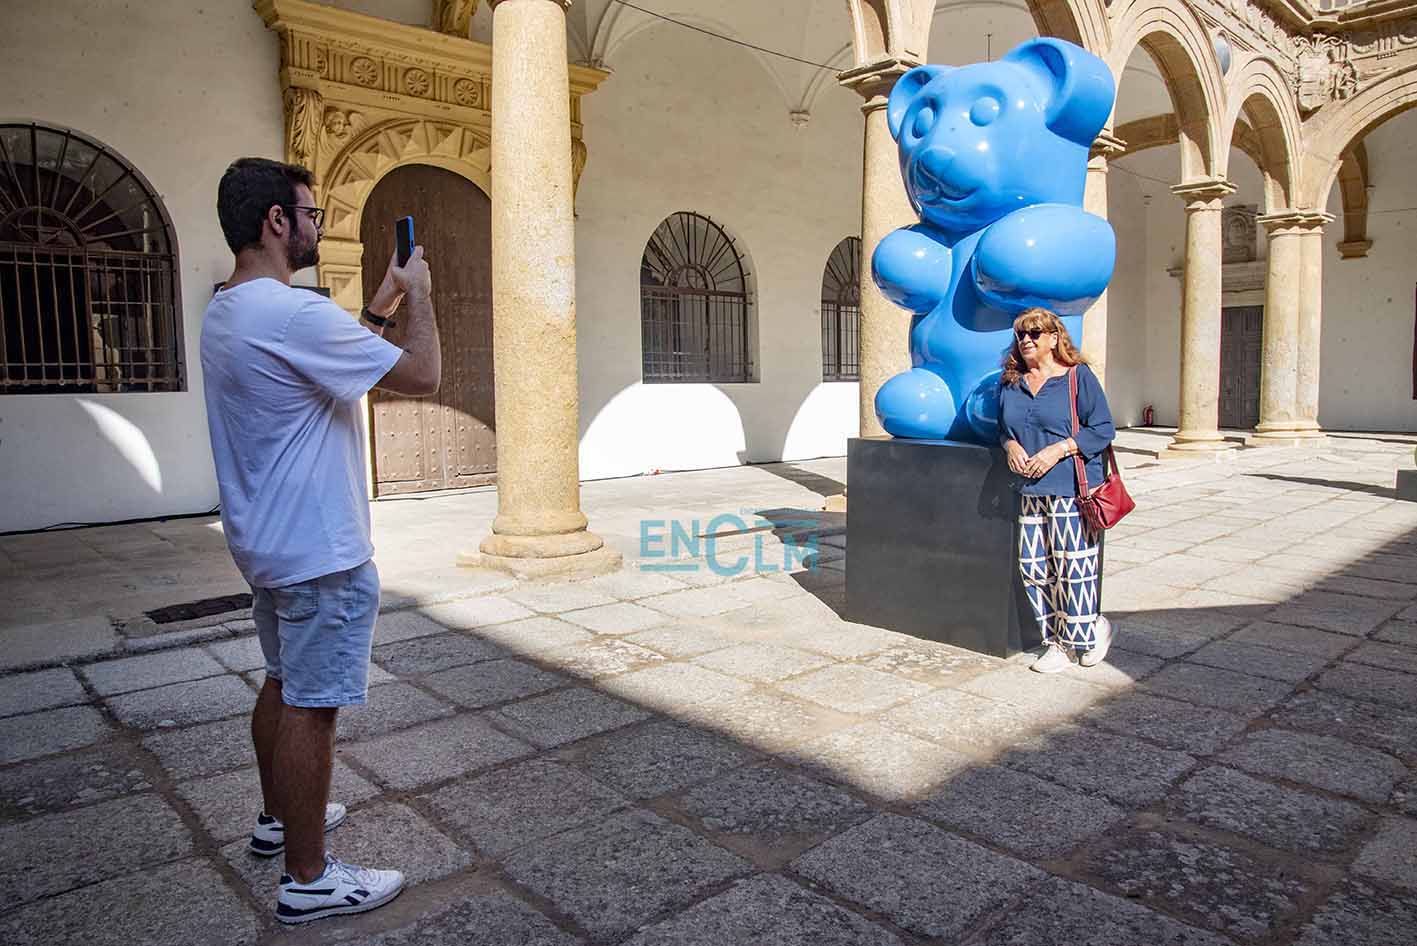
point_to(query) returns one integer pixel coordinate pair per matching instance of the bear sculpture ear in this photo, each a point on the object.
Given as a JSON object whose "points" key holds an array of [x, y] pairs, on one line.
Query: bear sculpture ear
{"points": [[1078, 87], [903, 93]]}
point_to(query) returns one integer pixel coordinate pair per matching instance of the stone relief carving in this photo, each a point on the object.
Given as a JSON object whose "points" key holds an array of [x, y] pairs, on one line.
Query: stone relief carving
{"points": [[304, 116], [453, 17], [340, 125], [1238, 233], [1325, 72]]}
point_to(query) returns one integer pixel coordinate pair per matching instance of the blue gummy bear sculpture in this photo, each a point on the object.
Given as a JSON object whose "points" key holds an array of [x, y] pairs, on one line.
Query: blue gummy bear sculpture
{"points": [[994, 157]]}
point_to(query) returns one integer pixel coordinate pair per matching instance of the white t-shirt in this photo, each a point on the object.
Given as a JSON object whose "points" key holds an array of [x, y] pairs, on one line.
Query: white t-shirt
{"points": [[284, 371]]}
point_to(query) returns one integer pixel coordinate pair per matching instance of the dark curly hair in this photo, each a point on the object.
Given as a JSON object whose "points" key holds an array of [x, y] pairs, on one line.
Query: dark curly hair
{"points": [[251, 187], [1065, 353]]}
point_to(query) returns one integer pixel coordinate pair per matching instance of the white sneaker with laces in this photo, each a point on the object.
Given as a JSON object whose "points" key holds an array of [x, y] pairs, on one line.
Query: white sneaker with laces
{"points": [[342, 888], [1055, 659], [268, 837], [1103, 629]]}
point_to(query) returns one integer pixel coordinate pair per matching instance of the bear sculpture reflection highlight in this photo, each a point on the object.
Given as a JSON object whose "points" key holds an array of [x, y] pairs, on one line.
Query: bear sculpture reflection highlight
{"points": [[994, 157]]}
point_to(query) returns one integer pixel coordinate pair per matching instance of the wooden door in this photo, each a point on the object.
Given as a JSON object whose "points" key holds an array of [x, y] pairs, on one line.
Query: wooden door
{"points": [[1241, 342], [447, 440]]}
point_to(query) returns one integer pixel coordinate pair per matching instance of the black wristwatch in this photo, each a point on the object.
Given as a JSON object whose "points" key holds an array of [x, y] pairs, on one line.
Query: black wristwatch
{"points": [[378, 320]]}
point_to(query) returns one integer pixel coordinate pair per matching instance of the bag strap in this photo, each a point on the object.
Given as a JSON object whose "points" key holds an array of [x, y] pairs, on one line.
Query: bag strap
{"points": [[1078, 465], [1109, 455]]}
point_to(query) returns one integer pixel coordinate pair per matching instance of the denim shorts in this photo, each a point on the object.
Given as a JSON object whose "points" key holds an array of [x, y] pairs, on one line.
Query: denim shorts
{"points": [[316, 636]]}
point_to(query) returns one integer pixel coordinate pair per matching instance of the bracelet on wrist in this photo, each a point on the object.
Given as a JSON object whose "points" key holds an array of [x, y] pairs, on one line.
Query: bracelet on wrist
{"points": [[381, 321]]}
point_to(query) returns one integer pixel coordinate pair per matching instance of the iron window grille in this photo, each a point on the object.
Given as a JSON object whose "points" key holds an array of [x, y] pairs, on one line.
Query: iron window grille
{"points": [[694, 304], [88, 270], [841, 312]]}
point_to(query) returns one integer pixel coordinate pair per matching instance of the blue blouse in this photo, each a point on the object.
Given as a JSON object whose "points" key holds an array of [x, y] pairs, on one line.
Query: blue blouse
{"points": [[1036, 421]]}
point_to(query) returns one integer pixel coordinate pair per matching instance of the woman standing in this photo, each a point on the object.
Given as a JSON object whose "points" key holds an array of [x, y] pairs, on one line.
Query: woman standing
{"points": [[1057, 551]]}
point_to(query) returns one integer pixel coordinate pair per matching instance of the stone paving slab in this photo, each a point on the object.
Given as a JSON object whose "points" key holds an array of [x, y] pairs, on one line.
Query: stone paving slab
{"points": [[1367, 724], [1321, 761], [202, 750], [40, 690], [1281, 817], [431, 654], [390, 707], [683, 639], [1127, 771], [848, 688], [433, 752], [472, 918], [1018, 811], [1388, 656], [106, 771], [181, 704], [239, 655], [153, 907], [507, 810], [1340, 613], [618, 618], [1239, 693], [1062, 912], [54, 853], [762, 663], [602, 657], [917, 876], [871, 758], [672, 687], [659, 757], [151, 670], [1211, 885], [1291, 637], [1171, 723], [1391, 856], [1259, 660], [62, 640], [1359, 914], [1372, 683], [615, 875], [763, 719], [769, 813], [227, 805], [566, 716], [963, 721], [533, 636], [50, 731], [766, 909], [559, 597]]}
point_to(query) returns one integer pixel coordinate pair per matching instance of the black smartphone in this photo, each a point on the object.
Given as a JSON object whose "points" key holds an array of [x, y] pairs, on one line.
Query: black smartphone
{"points": [[403, 236]]}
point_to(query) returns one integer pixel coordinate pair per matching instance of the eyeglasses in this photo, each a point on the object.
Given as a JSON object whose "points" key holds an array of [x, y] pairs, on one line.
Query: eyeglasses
{"points": [[1033, 333], [317, 214]]}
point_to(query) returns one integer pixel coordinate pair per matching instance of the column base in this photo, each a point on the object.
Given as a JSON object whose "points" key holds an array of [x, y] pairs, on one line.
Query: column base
{"points": [[1186, 446], [572, 554], [1311, 439]]}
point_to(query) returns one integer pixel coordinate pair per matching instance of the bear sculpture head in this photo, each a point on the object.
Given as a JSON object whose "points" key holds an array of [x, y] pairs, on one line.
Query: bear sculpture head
{"points": [[979, 141]]}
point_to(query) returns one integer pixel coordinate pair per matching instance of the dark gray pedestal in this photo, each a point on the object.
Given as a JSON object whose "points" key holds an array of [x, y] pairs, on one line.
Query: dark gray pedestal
{"points": [[932, 530], [1406, 485]]}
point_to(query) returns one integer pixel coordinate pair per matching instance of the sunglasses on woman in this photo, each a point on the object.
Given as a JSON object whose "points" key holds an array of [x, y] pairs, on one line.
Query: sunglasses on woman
{"points": [[1033, 333]]}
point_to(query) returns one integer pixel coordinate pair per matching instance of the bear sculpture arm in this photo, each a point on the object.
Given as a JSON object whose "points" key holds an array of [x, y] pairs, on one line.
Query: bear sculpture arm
{"points": [[1056, 256], [912, 269]]}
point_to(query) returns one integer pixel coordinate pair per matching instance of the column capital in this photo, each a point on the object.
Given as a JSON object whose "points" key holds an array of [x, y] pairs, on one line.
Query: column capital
{"points": [[874, 80], [564, 4], [1107, 146], [1204, 194], [1299, 221]]}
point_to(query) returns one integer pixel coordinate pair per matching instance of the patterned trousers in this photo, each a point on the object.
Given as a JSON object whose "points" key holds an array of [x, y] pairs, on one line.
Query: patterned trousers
{"points": [[1057, 556]]}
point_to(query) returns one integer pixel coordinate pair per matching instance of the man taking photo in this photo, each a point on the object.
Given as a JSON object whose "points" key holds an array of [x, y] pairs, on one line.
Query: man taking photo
{"points": [[285, 369]]}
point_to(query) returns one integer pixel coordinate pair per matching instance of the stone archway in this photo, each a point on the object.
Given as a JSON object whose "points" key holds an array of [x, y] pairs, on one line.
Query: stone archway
{"points": [[364, 95], [1334, 131], [1260, 94]]}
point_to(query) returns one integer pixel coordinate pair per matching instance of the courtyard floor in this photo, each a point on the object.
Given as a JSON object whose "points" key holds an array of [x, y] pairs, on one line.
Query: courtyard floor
{"points": [[683, 757]]}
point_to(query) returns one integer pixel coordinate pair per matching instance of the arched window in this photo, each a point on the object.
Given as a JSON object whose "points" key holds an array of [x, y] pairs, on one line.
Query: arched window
{"points": [[88, 270], [841, 312], [694, 303]]}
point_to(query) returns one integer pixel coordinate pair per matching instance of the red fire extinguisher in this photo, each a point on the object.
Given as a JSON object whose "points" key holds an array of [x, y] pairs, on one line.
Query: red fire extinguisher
{"points": [[1148, 416]]}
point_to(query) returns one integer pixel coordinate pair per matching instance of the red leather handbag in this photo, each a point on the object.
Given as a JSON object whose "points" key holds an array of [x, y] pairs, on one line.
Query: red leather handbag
{"points": [[1104, 507]]}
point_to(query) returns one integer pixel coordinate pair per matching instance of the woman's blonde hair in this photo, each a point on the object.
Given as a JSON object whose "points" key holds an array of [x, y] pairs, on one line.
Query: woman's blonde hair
{"points": [[1065, 352]]}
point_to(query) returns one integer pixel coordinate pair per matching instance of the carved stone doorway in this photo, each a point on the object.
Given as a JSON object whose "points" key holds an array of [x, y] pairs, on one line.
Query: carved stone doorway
{"points": [[447, 440], [1241, 345]]}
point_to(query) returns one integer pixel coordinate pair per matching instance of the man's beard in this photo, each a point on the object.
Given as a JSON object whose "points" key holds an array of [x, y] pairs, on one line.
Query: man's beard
{"points": [[300, 255]]}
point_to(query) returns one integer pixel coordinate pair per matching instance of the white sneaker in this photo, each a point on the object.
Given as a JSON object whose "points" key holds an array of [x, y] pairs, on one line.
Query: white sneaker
{"points": [[1103, 629], [342, 888], [1054, 660], [268, 837]]}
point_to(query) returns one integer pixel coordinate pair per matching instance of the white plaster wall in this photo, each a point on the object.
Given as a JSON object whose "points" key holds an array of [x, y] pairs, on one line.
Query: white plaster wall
{"points": [[1127, 376], [1365, 366], [690, 123], [179, 90]]}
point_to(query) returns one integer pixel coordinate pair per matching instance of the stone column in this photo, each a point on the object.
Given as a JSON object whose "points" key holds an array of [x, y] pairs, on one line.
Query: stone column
{"points": [[1279, 360], [1199, 432], [1311, 297], [1094, 323], [884, 339], [539, 528]]}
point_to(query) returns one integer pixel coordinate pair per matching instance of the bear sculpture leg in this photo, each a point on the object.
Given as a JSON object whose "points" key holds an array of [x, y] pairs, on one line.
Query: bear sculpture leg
{"points": [[916, 404]]}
